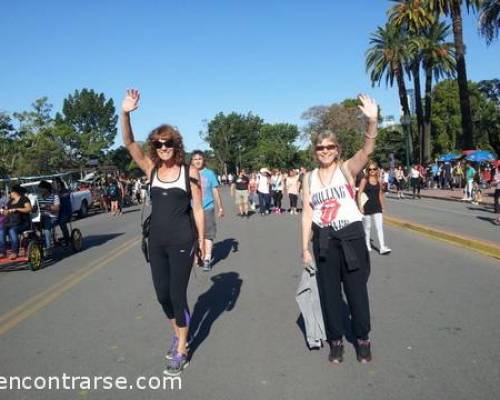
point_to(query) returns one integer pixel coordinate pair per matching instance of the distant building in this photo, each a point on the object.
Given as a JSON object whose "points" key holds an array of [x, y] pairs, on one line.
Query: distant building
{"points": [[387, 122]]}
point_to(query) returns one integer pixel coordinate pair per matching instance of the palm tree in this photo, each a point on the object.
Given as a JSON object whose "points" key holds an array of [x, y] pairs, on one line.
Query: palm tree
{"points": [[453, 8], [438, 61], [412, 17], [489, 19], [385, 59]]}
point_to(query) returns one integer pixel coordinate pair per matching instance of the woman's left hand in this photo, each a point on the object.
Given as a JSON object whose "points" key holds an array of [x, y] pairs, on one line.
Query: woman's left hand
{"points": [[368, 107]]}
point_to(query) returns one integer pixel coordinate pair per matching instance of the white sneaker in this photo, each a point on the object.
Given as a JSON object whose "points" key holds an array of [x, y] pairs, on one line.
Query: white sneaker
{"points": [[385, 250]]}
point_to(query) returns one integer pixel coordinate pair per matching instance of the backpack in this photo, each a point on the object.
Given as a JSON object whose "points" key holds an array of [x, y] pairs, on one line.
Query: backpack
{"points": [[113, 190]]}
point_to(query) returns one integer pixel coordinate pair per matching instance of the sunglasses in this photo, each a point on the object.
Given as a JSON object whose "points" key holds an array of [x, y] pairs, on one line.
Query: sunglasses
{"points": [[372, 169], [158, 144], [328, 147]]}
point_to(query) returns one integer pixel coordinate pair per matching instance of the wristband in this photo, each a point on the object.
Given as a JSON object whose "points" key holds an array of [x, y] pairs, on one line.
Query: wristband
{"points": [[370, 137]]}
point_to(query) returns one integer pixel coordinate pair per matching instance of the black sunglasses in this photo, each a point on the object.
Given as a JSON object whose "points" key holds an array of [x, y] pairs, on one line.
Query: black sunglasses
{"points": [[158, 144], [328, 147], [372, 169]]}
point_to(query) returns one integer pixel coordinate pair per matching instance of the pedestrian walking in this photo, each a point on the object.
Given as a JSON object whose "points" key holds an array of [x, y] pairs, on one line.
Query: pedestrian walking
{"points": [[400, 179], [264, 191], [415, 179], [339, 248], [373, 206], [210, 196], [176, 223], [239, 191], [292, 188], [277, 190]]}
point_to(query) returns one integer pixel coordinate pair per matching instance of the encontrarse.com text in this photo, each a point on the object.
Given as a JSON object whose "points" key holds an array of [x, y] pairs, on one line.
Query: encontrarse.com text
{"points": [[68, 382]]}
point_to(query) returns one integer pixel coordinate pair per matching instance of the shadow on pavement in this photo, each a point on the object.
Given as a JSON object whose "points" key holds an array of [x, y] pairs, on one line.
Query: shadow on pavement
{"points": [[220, 297], [98, 240], [222, 249], [491, 220]]}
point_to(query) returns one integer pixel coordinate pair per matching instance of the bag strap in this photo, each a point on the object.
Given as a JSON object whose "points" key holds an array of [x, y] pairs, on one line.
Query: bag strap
{"points": [[151, 177]]}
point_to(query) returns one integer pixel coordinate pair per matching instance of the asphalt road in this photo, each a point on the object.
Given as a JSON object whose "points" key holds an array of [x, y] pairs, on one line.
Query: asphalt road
{"points": [[434, 314]]}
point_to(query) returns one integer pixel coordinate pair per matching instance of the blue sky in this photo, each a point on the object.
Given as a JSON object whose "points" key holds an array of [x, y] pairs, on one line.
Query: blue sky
{"points": [[192, 59]]}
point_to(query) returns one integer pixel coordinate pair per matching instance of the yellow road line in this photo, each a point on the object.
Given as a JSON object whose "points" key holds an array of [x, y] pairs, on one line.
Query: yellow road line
{"points": [[480, 246], [35, 303]]}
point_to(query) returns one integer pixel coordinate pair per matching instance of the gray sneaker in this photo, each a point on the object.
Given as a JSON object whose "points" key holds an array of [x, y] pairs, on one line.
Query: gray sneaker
{"points": [[176, 364]]}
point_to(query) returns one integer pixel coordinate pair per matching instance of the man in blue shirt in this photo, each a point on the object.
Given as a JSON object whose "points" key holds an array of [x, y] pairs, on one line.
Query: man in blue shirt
{"points": [[210, 195]]}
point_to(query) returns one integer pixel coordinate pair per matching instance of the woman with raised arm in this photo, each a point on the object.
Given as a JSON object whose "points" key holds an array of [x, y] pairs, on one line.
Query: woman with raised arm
{"points": [[173, 234], [332, 215]]}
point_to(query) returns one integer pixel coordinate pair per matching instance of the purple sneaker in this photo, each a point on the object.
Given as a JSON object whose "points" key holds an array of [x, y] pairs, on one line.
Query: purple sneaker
{"points": [[176, 364], [173, 348]]}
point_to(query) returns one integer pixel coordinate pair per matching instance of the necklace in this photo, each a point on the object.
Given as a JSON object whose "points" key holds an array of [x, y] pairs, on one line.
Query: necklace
{"points": [[331, 177]]}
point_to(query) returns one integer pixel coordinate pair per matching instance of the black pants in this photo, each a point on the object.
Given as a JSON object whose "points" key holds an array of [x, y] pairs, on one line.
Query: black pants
{"points": [[415, 185], [332, 275], [293, 200], [497, 197], [170, 268], [277, 196]]}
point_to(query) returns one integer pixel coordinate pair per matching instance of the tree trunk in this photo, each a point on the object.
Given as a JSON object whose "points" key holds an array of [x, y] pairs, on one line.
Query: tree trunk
{"points": [[415, 69], [456, 15], [427, 114], [403, 99]]}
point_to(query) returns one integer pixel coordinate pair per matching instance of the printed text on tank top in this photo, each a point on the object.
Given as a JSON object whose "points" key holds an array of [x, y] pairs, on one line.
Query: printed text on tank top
{"points": [[333, 204]]}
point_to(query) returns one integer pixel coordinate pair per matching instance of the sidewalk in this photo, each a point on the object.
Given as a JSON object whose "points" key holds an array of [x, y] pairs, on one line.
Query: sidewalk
{"points": [[453, 195]]}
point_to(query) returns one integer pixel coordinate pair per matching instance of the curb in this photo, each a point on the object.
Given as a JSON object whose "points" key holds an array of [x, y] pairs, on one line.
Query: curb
{"points": [[483, 247], [427, 196]]}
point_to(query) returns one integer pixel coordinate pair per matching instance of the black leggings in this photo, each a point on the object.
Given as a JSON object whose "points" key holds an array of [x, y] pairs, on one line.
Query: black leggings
{"points": [[277, 196], [171, 268], [331, 276], [293, 200]]}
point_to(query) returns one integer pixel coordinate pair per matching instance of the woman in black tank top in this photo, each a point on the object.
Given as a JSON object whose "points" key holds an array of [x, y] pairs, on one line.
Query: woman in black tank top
{"points": [[372, 205], [175, 195]]}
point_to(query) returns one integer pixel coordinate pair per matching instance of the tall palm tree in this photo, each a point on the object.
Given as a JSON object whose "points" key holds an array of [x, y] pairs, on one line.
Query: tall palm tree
{"points": [[438, 59], [385, 59], [489, 19], [413, 17], [453, 8]]}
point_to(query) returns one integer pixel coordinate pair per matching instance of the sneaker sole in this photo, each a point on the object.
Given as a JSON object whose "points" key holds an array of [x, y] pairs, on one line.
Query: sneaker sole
{"points": [[176, 373]]}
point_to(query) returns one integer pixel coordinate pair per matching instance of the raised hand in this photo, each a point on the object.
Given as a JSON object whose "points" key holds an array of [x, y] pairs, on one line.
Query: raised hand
{"points": [[368, 107], [131, 100]]}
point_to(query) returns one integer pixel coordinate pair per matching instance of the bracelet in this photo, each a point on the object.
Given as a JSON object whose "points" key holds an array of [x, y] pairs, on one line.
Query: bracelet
{"points": [[370, 137]]}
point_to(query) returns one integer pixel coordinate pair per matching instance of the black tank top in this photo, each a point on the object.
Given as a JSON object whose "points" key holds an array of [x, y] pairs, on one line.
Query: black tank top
{"points": [[171, 223], [372, 206]]}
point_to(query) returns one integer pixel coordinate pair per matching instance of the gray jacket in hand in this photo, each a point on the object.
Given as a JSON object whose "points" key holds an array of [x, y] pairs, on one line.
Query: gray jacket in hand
{"points": [[308, 300]]}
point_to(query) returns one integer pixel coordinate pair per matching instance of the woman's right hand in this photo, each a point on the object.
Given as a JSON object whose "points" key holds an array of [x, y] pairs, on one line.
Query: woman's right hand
{"points": [[307, 258], [131, 101]]}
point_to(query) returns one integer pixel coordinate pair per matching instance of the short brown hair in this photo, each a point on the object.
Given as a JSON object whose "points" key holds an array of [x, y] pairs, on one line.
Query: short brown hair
{"points": [[166, 132]]}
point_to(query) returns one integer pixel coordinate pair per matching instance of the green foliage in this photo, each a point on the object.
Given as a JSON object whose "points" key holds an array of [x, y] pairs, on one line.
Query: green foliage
{"points": [[275, 147], [345, 121], [232, 137], [446, 119], [92, 122]]}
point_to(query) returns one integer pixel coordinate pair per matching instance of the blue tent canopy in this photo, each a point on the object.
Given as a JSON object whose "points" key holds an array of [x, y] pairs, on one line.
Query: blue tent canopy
{"points": [[481, 155], [449, 157]]}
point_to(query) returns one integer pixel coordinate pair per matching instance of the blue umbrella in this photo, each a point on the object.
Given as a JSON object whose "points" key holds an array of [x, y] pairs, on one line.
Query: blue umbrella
{"points": [[481, 155], [449, 157]]}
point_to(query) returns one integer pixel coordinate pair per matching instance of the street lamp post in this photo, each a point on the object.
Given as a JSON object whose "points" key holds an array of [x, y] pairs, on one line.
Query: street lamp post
{"points": [[239, 158]]}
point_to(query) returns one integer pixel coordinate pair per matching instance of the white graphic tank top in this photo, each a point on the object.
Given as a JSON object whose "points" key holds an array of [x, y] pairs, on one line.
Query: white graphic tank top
{"points": [[333, 205]]}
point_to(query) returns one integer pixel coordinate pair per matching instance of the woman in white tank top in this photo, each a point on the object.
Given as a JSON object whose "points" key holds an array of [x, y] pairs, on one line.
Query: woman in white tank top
{"points": [[340, 253]]}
